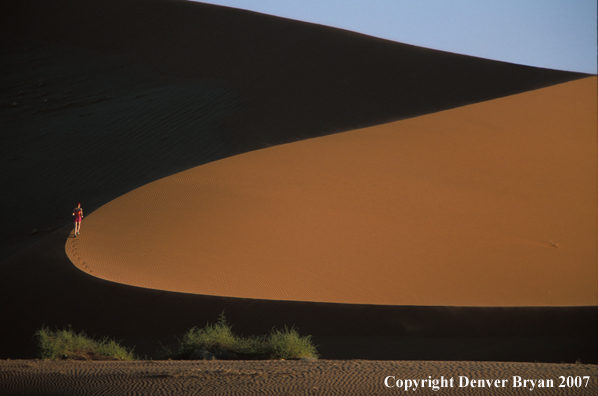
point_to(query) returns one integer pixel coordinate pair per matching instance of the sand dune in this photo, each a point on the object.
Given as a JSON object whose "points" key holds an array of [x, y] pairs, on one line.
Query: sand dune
{"points": [[98, 99], [108, 98], [492, 204]]}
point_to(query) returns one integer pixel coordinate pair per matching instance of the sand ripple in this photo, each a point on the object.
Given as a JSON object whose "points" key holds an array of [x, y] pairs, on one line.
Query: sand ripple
{"points": [[329, 377]]}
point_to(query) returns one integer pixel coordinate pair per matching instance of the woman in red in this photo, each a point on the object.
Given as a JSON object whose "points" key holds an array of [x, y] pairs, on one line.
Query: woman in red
{"points": [[78, 213]]}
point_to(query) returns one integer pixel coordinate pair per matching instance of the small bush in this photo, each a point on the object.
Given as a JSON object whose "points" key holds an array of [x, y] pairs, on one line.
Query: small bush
{"points": [[212, 337], [66, 344], [288, 344], [218, 338]]}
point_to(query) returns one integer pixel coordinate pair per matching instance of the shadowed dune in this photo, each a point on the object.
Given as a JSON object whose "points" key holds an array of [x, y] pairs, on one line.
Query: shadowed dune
{"points": [[111, 95]]}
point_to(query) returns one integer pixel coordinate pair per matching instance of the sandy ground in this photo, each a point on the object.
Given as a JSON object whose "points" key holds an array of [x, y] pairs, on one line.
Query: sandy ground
{"points": [[492, 204], [331, 377]]}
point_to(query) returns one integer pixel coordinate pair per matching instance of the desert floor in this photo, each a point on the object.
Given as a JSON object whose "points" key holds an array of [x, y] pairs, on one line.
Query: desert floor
{"points": [[323, 377]]}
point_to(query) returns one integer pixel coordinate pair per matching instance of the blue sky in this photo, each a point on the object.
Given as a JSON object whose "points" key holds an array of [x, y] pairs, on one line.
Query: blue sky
{"points": [[556, 34]]}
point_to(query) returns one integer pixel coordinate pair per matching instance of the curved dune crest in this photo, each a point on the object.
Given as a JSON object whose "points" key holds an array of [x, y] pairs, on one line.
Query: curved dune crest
{"points": [[492, 204], [183, 83]]}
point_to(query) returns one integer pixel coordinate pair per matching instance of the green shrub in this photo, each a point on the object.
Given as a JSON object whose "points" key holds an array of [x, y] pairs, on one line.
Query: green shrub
{"points": [[285, 344], [66, 344], [212, 337], [288, 344]]}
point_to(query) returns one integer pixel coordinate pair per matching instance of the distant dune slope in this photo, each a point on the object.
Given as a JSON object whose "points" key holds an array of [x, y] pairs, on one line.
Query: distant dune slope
{"points": [[492, 204], [100, 97]]}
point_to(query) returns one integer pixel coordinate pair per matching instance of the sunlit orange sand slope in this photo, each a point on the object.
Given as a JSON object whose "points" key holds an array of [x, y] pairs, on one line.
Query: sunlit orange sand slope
{"points": [[493, 204]]}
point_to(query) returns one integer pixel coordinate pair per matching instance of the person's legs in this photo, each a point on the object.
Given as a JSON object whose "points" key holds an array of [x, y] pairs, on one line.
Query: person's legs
{"points": [[77, 227]]}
